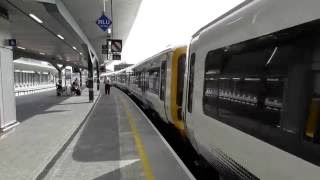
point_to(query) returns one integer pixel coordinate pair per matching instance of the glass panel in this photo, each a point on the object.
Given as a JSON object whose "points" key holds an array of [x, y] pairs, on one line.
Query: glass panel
{"points": [[163, 79], [191, 78], [181, 70]]}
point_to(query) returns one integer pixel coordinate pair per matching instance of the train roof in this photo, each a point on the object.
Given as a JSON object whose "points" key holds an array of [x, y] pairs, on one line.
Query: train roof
{"points": [[255, 18], [130, 68], [168, 49], [223, 16]]}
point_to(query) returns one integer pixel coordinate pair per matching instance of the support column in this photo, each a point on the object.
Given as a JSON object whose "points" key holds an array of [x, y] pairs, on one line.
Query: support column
{"points": [[59, 69], [90, 78], [60, 76], [7, 97], [80, 78], [98, 75]]}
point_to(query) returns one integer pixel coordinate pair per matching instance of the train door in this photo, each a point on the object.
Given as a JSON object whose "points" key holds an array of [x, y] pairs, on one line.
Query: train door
{"points": [[163, 81], [188, 99]]}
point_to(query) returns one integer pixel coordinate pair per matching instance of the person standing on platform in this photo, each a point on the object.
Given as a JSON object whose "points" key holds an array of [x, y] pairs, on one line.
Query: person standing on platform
{"points": [[107, 85]]}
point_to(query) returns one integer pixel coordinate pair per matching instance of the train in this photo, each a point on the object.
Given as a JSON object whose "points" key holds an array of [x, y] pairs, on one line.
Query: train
{"points": [[245, 92], [154, 83]]}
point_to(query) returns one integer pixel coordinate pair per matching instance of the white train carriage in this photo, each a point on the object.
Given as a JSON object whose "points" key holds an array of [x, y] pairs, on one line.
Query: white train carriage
{"points": [[251, 101], [157, 83], [149, 84], [120, 80]]}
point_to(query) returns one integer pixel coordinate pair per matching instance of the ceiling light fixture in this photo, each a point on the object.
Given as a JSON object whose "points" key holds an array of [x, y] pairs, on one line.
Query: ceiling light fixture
{"points": [[61, 37], [19, 47], [42, 53], [74, 47], [36, 18]]}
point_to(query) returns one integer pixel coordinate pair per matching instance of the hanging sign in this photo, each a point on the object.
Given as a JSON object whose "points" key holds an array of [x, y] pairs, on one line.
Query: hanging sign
{"points": [[116, 57], [104, 49], [116, 45], [104, 22]]}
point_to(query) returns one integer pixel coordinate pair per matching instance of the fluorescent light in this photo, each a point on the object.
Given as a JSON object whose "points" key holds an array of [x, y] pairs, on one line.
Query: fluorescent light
{"points": [[36, 18], [21, 47], [109, 30], [27, 71], [74, 47], [42, 53], [61, 37]]}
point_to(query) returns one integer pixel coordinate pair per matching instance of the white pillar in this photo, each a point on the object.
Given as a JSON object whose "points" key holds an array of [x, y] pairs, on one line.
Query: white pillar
{"points": [[7, 98]]}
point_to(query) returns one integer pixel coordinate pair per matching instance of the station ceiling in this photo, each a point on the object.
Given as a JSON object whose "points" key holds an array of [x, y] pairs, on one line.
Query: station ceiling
{"points": [[41, 40]]}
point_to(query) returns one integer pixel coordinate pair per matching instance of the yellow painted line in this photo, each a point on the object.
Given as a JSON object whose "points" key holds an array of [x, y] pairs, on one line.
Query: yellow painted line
{"points": [[139, 145]]}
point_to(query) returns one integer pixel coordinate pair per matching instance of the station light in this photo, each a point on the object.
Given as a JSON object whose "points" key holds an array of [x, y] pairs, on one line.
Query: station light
{"points": [[24, 71], [36, 18], [61, 37], [42, 53], [109, 30], [19, 47], [81, 53], [74, 47]]}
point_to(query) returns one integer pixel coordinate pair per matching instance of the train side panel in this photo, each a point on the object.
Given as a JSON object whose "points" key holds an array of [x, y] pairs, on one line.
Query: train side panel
{"points": [[219, 119]]}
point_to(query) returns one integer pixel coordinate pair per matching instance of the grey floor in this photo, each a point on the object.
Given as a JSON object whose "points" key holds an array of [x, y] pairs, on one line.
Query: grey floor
{"points": [[30, 105], [105, 148], [47, 122]]}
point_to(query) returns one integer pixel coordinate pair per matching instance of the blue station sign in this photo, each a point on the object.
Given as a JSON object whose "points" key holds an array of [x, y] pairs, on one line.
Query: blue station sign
{"points": [[104, 22]]}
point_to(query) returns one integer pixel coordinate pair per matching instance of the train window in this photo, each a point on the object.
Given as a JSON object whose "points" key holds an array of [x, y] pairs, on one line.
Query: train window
{"points": [[139, 77], [181, 70], [132, 78], [145, 81], [191, 79], [246, 86], [249, 62], [312, 131], [163, 79], [153, 80], [213, 67]]}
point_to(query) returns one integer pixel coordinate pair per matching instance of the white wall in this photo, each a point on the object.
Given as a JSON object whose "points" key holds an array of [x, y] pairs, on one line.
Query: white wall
{"points": [[7, 98]]}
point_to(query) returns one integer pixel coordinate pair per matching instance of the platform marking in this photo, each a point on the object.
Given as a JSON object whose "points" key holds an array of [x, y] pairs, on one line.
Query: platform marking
{"points": [[139, 145], [184, 167]]}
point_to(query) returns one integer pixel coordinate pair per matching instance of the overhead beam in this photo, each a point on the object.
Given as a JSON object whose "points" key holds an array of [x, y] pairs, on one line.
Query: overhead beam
{"points": [[69, 18], [51, 59]]}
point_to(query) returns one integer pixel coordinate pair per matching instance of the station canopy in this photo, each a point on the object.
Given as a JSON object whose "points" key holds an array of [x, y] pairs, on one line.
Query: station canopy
{"points": [[65, 31]]}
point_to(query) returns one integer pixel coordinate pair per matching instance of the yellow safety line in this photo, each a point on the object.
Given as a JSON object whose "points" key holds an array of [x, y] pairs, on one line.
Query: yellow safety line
{"points": [[139, 145]]}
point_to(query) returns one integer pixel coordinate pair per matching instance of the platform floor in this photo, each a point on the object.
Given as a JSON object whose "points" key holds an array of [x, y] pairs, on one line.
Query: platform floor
{"points": [[47, 122], [117, 142]]}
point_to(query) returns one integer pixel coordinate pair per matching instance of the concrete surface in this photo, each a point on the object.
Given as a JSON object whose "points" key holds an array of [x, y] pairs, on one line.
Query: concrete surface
{"points": [[105, 147], [47, 123]]}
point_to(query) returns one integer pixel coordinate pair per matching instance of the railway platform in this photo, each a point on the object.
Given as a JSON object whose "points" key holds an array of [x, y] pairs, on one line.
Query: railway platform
{"points": [[117, 142], [46, 123]]}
